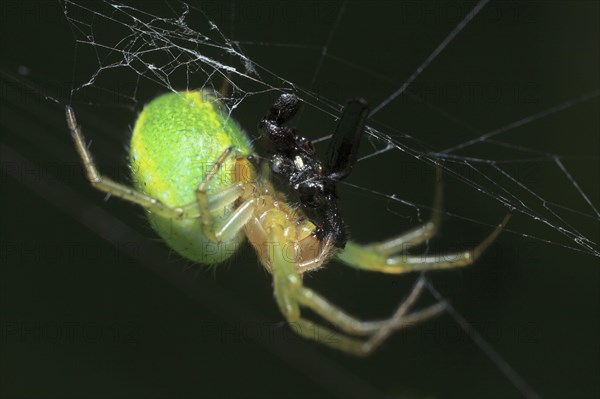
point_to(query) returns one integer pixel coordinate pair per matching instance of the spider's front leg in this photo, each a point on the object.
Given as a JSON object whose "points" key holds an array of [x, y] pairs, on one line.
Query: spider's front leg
{"points": [[111, 187], [209, 203], [371, 257], [291, 296], [205, 206], [379, 256]]}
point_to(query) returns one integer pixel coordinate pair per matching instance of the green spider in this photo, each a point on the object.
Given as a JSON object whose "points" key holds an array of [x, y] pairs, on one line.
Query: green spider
{"points": [[195, 173]]}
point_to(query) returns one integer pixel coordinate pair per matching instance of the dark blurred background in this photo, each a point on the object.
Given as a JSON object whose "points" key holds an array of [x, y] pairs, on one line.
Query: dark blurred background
{"points": [[92, 304]]}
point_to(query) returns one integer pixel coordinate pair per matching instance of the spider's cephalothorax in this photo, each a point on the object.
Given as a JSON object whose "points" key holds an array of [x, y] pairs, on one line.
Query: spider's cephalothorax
{"points": [[295, 163]]}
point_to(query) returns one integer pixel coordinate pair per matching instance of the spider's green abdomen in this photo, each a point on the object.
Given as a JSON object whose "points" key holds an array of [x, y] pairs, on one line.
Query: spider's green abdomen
{"points": [[176, 140]]}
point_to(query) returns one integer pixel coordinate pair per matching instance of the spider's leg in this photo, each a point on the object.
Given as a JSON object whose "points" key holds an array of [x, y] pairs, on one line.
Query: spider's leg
{"points": [[343, 148], [125, 192], [291, 295], [225, 85], [232, 225], [320, 256], [420, 233], [351, 325], [208, 203], [364, 257]]}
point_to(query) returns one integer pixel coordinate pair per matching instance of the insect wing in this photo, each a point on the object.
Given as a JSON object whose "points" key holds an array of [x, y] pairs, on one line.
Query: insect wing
{"points": [[343, 149]]}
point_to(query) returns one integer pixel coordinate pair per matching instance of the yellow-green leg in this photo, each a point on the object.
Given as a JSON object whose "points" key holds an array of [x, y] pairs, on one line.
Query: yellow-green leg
{"points": [[378, 256], [108, 185], [291, 296], [208, 203], [368, 257], [419, 234]]}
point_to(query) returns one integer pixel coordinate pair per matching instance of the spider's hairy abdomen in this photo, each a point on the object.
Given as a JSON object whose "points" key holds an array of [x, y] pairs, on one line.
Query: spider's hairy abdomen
{"points": [[176, 140]]}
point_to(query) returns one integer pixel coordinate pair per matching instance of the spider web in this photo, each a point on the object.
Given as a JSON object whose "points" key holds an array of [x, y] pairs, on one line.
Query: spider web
{"points": [[174, 53], [518, 162]]}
